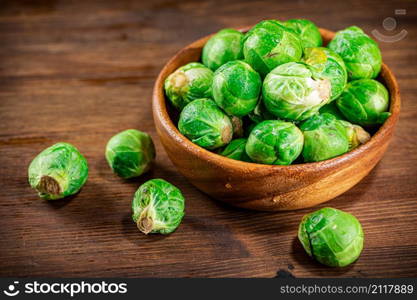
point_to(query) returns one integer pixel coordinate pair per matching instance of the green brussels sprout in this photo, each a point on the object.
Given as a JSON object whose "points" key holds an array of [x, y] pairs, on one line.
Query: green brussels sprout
{"points": [[158, 207], [364, 102], [307, 31], [270, 44], [205, 124], [331, 108], [260, 113], [356, 134], [236, 150], [328, 65], [274, 142], [187, 83], [360, 53], [331, 236], [292, 91], [324, 137], [58, 171], [236, 88], [130, 153], [224, 46]]}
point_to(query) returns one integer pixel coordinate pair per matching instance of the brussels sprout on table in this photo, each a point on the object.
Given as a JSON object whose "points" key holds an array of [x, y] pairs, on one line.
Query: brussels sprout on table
{"points": [[205, 124], [130, 153], [58, 171], [236, 150], [331, 108], [224, 46], [274, 142], [328, 65], [360, 53], [270, 44], [158, 207], [187, 83], [356, 134], [292, 91], [307, 31], [364, 102], [236, 88], [331, 236], [324, 137]]}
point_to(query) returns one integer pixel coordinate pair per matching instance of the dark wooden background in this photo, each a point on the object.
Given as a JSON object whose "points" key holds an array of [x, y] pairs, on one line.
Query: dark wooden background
{"points": [[81, 71]]}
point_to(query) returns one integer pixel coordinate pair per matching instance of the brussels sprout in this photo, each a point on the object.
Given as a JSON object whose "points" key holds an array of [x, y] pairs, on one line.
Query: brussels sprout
{"points": [[236, 150], [356, 135], [331, 108], [307, 31], [360, 53], [236, 88], [158, 207], [187, 83], [292, 91], [274, 142], [364, 102], [331, 236], [324, 137], [58, 171], [224, 46], [270, 44], [260, 113], [328, 65], [205, 124], [130, 153]]}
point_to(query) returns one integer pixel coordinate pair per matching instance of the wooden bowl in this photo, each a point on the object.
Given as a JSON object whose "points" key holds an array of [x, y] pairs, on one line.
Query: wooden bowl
{"points": [[267, 187]]}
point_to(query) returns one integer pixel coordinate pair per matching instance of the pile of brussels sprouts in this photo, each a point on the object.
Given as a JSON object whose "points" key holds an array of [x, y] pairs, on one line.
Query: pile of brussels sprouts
{"points": [[276, 96]]}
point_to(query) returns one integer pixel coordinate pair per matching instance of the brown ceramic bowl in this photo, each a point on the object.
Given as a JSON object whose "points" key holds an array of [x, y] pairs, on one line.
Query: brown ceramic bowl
{"points": [[267, 187]]}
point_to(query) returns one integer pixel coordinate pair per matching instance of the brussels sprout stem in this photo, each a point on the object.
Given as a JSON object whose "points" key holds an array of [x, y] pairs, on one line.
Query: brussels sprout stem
{"points": [[179, 80], [237, 126], [227, 134], [145, 224], [324, 89], [145, 221], [361, 134], [48, 185]]}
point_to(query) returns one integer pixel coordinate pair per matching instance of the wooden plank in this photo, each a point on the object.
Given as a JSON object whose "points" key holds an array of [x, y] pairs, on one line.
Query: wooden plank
{"points": [[80, 72]]}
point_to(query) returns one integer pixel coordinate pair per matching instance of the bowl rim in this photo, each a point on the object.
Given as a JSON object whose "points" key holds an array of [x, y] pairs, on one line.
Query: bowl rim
{"points": [[160, 112]]}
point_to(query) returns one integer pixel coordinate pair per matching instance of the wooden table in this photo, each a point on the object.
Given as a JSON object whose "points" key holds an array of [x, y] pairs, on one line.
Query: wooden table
{"points": [[80, 73]]}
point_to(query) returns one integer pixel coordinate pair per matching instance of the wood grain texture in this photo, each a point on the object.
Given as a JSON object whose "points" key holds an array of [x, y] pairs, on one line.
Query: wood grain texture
{"points": [[80, 72], [264, 187]]}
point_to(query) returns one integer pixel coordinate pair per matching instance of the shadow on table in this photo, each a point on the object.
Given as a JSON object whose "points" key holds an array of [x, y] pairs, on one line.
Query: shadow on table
{"points": [[60, 203], [94, 206]]}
